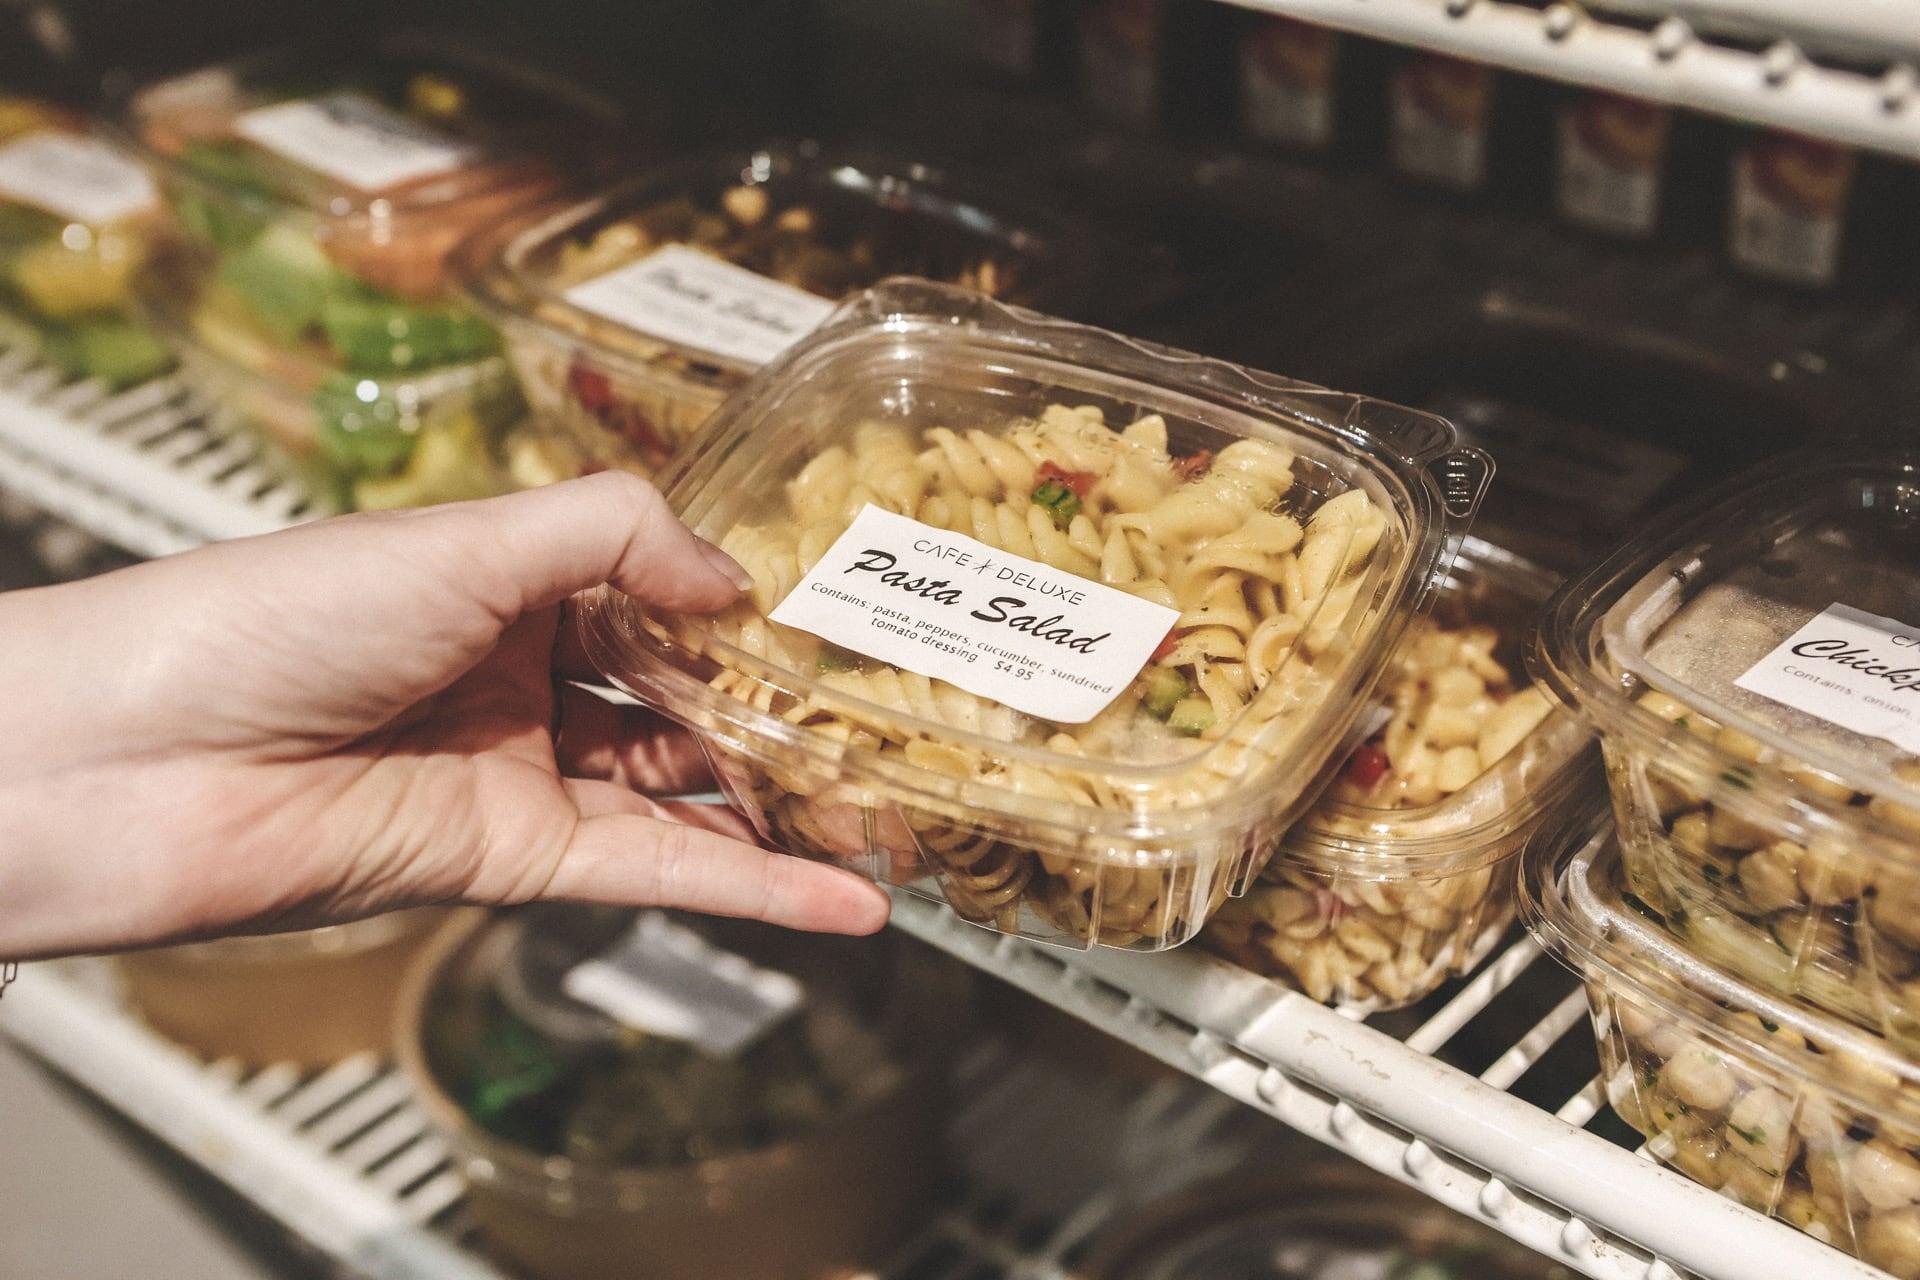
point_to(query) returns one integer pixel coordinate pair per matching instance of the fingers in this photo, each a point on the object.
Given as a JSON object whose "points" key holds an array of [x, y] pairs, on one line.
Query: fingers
{"points": [[633, 746], [534, 549], [631, 851]]}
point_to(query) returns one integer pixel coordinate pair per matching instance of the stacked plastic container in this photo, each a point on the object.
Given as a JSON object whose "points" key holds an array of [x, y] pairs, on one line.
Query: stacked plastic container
{"points": [[1402, 876], [631, 315], [1055, 626], [79, 220], [319, 200], [1753, 671]]}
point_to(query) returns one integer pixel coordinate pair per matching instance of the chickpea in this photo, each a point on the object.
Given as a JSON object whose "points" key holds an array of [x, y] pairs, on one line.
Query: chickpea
{"points": [[1732, 832], [745, 205], [1783, 1037], [1891, 1241], [1830, 874], [1698, 1155], [1903, 818], [1770, 876], [1885, 1176], [1458, 767], [1699, 1077], [1821, 784], [1665, 706], [1749, 1184], [1895, 910], [1760, 1129]]}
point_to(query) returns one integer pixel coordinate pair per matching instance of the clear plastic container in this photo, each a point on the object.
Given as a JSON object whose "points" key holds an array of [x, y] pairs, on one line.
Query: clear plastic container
{"points": [[79, 221], [587, 1146], [626, 377], [1212, 565], [308, 998], [1402, 875], [362, 443], [1770, 835], [321, 195], [1325, 1220], [1792, 1112]]}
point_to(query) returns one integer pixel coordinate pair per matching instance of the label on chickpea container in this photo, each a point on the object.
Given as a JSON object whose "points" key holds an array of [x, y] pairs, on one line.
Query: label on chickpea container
{"points": [[943, 605], [664, 979], [353, 139], [1851, 668], [83, 179], [692, 299]]}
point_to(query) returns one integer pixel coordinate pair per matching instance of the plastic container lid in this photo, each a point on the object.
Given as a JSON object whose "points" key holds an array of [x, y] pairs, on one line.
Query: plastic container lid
{"points": [[814, 221], [1787, 608], [1270, 542], [53, 163], [1573, 901], [1488, 818], [406, 128]]}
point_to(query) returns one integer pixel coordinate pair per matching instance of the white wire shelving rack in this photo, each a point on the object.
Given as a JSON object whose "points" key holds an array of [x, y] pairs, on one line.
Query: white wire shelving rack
{"points": [[1844, 70], [1427, 1100]]}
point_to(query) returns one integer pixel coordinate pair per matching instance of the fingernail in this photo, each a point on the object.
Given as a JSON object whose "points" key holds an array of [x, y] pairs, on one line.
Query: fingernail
{"points": [[724, 565]]}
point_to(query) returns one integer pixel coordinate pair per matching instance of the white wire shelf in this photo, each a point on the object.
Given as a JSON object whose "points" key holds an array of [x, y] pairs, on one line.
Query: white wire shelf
{"points": [[1483, 1142], [351, 1165], [1844, 70]]}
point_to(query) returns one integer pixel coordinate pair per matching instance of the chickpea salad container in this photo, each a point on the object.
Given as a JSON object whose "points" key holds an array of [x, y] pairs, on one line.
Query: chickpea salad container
{"points": [[1788, 1110], [1402, 875], [320, 196], [702, 1097], [631, 315], [1057, 626], [79, 221], [1754, 672]]}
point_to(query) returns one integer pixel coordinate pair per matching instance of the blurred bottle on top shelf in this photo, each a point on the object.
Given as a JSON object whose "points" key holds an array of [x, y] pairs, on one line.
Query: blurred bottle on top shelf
{"points": [[1119, 52], [1789, 207], [1612, 163], [1028, 39], [1288, 74]]}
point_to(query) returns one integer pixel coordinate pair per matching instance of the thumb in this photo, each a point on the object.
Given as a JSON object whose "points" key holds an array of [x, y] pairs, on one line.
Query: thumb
{"points": [[529, 550]]}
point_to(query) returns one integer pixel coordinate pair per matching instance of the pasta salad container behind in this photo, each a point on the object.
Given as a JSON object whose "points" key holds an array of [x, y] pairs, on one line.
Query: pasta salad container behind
{"points": [[1057, 626], [1788, 1110], [79, 221], [320, 191], [1754, 671], [632, 314], [1402, 875]]}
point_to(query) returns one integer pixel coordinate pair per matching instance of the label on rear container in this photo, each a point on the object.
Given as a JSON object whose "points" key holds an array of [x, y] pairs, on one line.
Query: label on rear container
{"points": [[1612, 151], [353, 139], [695, 300], [945, 606], [667, 980], [1287, 82], [1440, 112], [1790, 207], [1851, 668], [79, 178]]}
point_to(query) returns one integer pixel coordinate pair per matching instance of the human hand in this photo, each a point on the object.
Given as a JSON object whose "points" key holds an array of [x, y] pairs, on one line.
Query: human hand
{"points": [[362, 714]]}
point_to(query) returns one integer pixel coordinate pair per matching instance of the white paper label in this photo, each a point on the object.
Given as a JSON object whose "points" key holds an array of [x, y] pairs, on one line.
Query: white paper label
{"points": [[352, 138], [1597, 192], [1437, 150], [1778, 239], [83, 179], [1278, 109], [664, 979], [1851, 668], [694, 300], [943, 605]]}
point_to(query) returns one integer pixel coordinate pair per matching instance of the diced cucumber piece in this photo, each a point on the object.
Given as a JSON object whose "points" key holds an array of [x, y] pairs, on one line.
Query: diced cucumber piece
{"points": [[232, 212], [363, 432], [377, 334], [116, 352], [282, 279], [1191, 717], [1165, 687]]}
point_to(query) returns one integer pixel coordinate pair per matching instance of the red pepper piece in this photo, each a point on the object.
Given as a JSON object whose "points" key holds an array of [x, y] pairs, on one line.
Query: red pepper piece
{"points": [[1080, 482], [1194, 465], [1368, 765]]}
